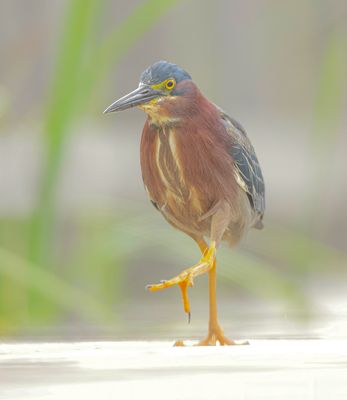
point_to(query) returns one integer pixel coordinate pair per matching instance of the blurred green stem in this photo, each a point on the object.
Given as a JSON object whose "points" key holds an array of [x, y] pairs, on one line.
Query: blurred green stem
{"points": [[326, 118], [59, 116], [52, 288]]}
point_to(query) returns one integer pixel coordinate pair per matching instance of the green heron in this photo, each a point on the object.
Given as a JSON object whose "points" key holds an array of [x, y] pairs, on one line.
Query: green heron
{"points": [[200, 172]]}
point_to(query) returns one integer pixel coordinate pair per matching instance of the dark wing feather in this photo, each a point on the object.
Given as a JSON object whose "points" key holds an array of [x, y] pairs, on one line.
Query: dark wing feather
{"points": [[248, 171]]}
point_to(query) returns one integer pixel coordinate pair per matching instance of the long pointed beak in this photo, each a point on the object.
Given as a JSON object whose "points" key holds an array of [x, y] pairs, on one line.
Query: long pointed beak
{"points": [[139, 96]]}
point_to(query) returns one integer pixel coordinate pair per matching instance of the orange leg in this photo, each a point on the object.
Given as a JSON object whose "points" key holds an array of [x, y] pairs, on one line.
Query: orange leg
{"points": [[215, 333]]}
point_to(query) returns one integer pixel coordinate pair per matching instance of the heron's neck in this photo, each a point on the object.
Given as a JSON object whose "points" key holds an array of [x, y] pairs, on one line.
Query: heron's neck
{"points": [[160, 120]]}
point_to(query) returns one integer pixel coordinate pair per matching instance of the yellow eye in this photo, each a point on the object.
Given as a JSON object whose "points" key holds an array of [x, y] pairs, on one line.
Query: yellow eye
{"points": [[170, 83]]}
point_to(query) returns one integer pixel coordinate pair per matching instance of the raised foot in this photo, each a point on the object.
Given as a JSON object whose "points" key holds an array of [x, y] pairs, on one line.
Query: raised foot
{"points": [[186, 278]]}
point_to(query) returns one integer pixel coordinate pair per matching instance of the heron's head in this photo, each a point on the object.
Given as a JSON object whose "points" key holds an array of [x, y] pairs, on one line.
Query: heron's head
{"points": [[161, 89]]}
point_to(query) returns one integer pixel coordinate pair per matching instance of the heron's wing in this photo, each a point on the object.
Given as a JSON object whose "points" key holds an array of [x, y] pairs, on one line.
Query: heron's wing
{"points": [[248, 172]]}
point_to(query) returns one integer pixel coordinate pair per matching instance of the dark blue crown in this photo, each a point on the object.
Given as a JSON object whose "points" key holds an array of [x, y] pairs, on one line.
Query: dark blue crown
{"points": [[162, 70]]}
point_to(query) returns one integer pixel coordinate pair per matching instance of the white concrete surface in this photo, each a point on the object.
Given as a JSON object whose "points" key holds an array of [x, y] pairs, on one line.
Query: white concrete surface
{"points": [[266, 369]]}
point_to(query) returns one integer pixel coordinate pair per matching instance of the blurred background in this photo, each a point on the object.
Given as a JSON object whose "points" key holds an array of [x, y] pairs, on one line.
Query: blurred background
{"points": [[78, 238]]}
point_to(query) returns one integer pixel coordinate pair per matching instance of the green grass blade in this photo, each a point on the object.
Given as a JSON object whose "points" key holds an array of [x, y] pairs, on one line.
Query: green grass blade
{"points": [[60, 111], [331, 89], [53, 288]]}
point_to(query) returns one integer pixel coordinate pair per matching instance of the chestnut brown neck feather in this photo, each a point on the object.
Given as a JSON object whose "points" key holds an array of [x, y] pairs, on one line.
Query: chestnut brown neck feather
{"points": [[196, 159]]}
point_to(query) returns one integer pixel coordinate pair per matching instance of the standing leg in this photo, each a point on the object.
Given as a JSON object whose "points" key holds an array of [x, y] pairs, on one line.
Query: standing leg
{"points": [[220, 221], [215, 332]]}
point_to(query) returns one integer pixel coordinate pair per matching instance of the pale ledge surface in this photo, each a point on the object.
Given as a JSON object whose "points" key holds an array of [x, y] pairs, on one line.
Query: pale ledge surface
{"points": [[266, 369]]}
